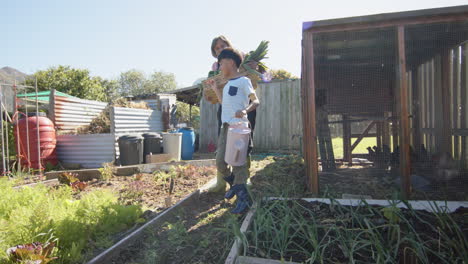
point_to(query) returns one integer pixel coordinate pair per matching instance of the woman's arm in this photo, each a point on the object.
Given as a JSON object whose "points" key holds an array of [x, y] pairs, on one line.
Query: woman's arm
{"points": [[212, 85]]}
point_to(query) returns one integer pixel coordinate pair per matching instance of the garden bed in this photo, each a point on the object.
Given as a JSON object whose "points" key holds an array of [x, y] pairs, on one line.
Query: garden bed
{"points": [[91, 216], [312, 231], [200, 231]]}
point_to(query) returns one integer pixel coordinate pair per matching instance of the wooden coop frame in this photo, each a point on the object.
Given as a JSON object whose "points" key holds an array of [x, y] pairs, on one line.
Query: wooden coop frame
{"points": [[323, 46]]}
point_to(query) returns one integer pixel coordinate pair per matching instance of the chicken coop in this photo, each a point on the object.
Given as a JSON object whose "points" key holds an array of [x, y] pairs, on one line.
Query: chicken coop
{"points": [[398, 83]]}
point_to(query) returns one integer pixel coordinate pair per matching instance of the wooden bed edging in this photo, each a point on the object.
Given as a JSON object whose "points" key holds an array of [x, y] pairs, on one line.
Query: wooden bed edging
{"points": [[426, 205], [105, 256]]}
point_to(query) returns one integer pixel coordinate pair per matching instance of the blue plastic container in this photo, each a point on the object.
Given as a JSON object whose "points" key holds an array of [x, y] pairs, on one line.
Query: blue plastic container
{"points": [[188, 142]]}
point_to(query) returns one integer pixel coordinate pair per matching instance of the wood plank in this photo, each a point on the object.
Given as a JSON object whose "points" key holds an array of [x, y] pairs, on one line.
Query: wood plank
{"points": [[416, 112], [364, 134], [423, 108], [378, 135], [383, 24], [455, 97], [462, 132], [405, 163], [463, 96], [253, 260], [237, 246], [446, 138], [368, 134], [305, 115], [347, 152], [310, 122], [386, 130]]}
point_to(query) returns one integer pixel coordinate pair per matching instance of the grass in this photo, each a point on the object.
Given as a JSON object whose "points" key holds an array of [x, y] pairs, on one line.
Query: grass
{"points": [[79, 225], [361, 148]]}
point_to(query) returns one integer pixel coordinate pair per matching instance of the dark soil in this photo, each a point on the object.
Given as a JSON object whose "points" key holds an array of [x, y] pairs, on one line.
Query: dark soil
{"points": [[198, 233], [145, 190]]}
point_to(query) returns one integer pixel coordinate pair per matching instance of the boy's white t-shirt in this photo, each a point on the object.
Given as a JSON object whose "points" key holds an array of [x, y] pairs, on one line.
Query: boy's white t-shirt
{"points": [[236, 97]]}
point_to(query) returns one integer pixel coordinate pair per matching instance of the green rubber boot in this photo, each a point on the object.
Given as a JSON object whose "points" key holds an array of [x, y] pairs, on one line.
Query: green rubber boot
{"points": [[220, 184]]}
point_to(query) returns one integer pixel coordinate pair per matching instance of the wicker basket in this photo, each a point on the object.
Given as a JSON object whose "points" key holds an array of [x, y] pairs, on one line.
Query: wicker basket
{"points": [[210, 95]]}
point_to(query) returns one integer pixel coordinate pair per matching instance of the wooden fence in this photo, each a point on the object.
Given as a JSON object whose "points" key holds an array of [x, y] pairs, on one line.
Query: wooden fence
{"points": [[279, 118], [438, 103]]}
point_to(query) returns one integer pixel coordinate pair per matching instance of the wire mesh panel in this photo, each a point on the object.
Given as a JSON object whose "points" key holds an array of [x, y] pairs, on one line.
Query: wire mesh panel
{"points": [[436, 59], [375, 84], [355, 89]]}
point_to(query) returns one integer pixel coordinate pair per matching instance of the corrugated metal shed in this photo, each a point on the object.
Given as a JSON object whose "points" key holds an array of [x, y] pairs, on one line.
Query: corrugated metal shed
{"points": [[152, 103], [126, 121], [70, 113], [43, 96], [90, 151]]}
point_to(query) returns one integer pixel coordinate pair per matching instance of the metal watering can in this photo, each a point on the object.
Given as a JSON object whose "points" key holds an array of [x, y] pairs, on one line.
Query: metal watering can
{"points": [[237, 144]]}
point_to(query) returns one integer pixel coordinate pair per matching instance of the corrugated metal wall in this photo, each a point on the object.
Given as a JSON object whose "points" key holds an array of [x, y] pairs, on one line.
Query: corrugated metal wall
{"points": [[126, 121], [90, 151], [70, 113], [279, 118], [152, 103]]}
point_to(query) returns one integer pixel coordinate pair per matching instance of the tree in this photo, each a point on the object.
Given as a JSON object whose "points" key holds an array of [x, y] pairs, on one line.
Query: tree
{"points": [[75, 82], [134, 82], [160, 82], [111, 89], [282, 75], [183, 114]]}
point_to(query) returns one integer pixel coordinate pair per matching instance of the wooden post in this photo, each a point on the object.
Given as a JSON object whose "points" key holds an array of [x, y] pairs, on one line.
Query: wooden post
{"points": [[416, 113], [395, 126], [405, 163], [363, 135], [347, 154], [386, 130], [463, 93], [379, 134], [455, 97], [446, 136], [321, 120], [308, 104]]}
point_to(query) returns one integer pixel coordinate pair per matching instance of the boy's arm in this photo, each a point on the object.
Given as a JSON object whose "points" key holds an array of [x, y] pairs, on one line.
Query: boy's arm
{"points": [[252, 106]]}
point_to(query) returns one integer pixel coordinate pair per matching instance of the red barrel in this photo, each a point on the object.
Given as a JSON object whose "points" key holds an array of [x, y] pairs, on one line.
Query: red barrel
{"points": [[48, 141]]}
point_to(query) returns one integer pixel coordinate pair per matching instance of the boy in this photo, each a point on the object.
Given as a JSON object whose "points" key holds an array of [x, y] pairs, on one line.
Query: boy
{"points": [[235, 103]]}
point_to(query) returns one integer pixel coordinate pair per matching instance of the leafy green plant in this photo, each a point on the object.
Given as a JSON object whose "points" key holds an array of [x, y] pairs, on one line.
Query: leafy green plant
{"points": [[106, 171], [391, 214], [78, 225], [35, 252], [11, 139], [321, 233], [68, 178], [177, 233]]}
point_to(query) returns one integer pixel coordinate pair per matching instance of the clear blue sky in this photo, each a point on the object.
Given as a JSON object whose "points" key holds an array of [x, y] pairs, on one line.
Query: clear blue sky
{"points": [[108, 37]]}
